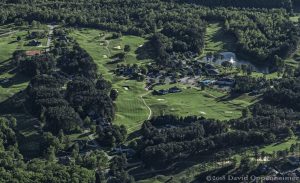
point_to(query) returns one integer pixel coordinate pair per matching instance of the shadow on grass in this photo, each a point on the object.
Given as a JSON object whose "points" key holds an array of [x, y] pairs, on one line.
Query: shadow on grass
{"points": [[6, 67], [227, 39], [134, 135], [85, 134], [17, 79], [145, 52], [228, 98]]}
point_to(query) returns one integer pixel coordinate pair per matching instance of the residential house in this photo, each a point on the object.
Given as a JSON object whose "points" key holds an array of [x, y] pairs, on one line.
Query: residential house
{"points": [[175, 90], [226, 81], [207, 82], [34, 43], [161, 92]]}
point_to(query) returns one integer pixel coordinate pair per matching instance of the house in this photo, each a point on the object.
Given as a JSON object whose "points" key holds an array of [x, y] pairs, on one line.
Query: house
{"points": [[293, 160], [175, 90], [226, 81], [161, 92], [33, 52], [34, 43], [207, 82]]}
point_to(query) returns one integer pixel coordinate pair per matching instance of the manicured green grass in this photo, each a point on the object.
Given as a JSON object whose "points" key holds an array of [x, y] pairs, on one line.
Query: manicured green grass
{"points": [[216, 40], [131, 111], [192, 101], [286, 144], [292, 62], [245, 100], [295, 19], [8, 45]]}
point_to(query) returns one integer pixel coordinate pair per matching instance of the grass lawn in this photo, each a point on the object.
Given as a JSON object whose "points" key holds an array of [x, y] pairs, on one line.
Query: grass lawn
{"points": [[295, 18], [192, 101], [130, 109], [216, 40], [8, 45], [279, 146]]}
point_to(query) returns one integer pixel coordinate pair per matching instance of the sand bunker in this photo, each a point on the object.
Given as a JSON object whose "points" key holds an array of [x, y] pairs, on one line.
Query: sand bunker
{"points": [[126, 88], [201, 112], [160, 99], [228, 112], [118, 48], [105, 56]]}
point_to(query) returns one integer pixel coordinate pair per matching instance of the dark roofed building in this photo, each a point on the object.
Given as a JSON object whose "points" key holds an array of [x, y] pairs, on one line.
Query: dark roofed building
{"points": [[226, 81], [34, 43], [174, 90]]}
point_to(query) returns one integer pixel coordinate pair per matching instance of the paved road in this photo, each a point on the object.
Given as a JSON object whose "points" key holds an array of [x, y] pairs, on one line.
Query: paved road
{"points": [[50, 36], [149, 116], [145, 103]]}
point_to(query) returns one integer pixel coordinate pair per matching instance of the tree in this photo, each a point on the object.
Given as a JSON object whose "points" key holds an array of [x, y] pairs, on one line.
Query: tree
{"points": [[19, 38], [114, 94], [50, 156], [246, 112], [127, 48], [290, 133], [244, 68], [87, 121]]}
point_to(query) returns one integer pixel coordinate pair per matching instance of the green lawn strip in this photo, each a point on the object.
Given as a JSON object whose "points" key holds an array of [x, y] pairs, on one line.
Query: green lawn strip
{"points": [[194, 102], [8, 45], [295, 19], [216, 40], [279, 146], [130, 109]]}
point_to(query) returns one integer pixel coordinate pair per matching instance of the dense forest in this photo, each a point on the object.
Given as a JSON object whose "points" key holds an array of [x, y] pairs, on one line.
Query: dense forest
{"points": [[171, 139], [13, 167], [67, 96], [260, 33], [287, 4]]}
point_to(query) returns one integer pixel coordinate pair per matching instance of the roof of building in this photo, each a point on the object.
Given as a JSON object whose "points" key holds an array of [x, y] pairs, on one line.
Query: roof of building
{"points": [[33, 52]]}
